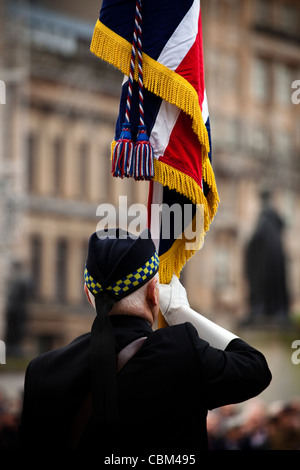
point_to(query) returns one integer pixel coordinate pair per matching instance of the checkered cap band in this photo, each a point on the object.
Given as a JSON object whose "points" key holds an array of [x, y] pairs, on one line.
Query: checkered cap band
{"points": [[127, 283]]}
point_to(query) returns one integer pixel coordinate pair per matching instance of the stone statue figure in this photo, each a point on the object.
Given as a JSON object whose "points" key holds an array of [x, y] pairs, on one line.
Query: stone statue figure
{"points": [[16, 310], [265, 267]]}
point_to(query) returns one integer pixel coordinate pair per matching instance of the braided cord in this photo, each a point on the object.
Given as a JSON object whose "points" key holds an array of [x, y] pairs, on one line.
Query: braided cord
{"points": [[136, 49], [140, 61], [132, 66]]}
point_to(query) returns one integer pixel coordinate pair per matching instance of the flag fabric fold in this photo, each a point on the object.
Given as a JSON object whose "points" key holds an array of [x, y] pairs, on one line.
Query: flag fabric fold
{"points": [[174, 105]]}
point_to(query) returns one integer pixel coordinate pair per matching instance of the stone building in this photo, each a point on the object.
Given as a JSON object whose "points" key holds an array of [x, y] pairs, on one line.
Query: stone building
{"points": [[252, 54], [60, 117], [56, 129]]}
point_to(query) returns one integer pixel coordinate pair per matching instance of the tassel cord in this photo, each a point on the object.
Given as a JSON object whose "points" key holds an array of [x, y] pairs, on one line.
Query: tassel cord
{"points": [[129, 159], [143, 148], [132, 65], [140, 62]]}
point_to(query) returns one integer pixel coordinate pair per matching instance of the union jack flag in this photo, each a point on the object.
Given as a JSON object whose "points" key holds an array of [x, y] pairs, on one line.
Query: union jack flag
{"points": [[175, 111]]}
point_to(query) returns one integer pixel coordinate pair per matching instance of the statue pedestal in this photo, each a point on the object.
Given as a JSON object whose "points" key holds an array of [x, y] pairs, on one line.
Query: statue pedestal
{"points": [[275, 341]]}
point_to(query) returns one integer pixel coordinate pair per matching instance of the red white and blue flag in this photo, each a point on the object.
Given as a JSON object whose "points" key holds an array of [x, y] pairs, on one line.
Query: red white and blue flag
{"points": [[175, 110]]}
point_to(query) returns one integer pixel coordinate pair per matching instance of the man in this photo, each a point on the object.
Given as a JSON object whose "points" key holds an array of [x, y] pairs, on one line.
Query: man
{"points": [[158, 401]]}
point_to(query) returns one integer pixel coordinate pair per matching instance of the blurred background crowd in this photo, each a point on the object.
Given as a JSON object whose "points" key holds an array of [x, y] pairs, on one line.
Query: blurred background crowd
{"points": [[252, 426], [256, 426]]}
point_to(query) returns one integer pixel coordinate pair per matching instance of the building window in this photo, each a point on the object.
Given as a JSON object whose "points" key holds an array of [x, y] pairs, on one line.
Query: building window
{"points": [[225, 10], [31, 148], [283, 78], [284, 147], [232, 72], [215, 7], [222, 266], [272, 81], [61, 270], [297, 135], [106, 185], [233, 10], [58, 166], [289, 207], [288, 18], [259, 142], [226, 133], [278, 17], [262, 80], [36, 248], [83, 167], [264, 13], [223, 72]]}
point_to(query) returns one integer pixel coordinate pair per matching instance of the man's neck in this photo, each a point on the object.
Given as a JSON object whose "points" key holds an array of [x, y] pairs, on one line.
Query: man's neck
{"points": [[144, 314]]}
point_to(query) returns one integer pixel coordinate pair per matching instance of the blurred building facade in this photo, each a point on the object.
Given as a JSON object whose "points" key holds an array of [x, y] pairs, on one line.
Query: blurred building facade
{"points": [[252, 57], [59, 121], [57, 125]]}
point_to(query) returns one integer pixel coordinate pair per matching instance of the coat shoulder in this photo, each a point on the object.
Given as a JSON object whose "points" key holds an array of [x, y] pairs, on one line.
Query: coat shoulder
{"points": [[74, 354]]}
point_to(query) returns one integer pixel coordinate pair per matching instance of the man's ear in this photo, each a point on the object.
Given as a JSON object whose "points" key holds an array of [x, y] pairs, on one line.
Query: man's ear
{"points": [[152, 293]]}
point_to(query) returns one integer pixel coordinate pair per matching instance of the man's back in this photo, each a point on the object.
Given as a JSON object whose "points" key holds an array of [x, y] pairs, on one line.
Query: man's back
{"points": [[164, 391]]}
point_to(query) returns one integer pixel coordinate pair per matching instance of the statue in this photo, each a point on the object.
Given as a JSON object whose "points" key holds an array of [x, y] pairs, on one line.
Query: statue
{"points": [[16, 310], [265, 268]]}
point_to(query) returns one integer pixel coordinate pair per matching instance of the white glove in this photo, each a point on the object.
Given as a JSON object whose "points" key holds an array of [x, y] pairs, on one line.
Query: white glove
{"points": [[171, 297], [176, 309]]}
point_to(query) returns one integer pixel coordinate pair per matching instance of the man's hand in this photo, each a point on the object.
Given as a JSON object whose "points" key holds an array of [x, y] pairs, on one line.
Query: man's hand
{"points": [[171, 298], [175, 308]]}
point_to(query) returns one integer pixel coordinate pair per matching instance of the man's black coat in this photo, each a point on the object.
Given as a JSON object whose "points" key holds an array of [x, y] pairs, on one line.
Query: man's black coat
{"points": [[164, 391]]}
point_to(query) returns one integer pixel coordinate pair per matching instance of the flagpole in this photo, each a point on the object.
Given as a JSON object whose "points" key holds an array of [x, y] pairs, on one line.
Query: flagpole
{"points": [[161, 322]]}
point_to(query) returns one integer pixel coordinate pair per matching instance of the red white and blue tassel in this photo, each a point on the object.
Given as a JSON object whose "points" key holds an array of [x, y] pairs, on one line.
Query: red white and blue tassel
{"points": [[129, 159], [122, 162], [123, 153], [144, 167]]}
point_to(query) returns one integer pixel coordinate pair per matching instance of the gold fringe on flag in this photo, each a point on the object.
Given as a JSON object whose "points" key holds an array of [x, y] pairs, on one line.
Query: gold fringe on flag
{"points": [[158, 79]]}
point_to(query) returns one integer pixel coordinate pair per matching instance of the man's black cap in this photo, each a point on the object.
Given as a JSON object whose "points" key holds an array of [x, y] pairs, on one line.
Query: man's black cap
{"points": [[119, 263]]}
